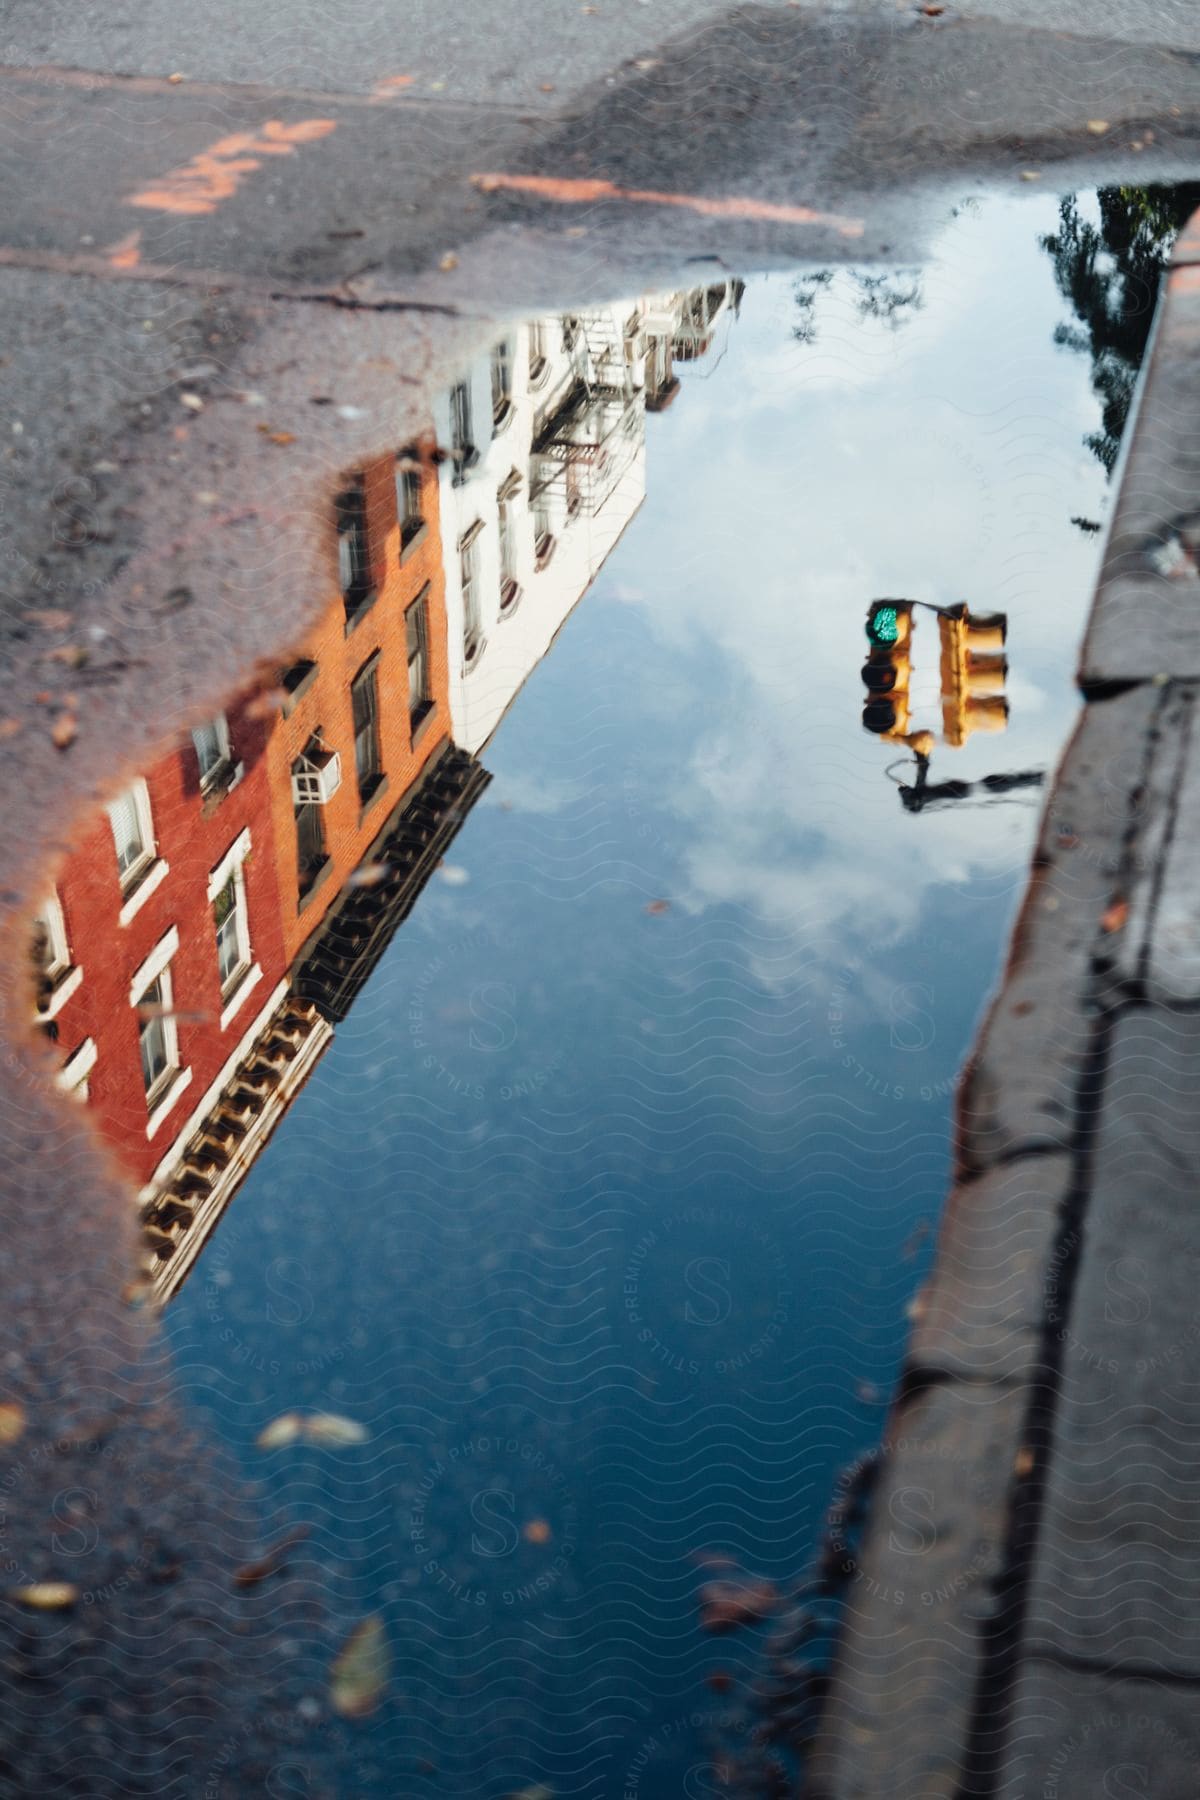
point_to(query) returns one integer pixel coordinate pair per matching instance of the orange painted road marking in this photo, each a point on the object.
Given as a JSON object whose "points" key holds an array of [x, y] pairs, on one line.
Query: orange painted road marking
{"points": [[578, 192], [216, 173]]}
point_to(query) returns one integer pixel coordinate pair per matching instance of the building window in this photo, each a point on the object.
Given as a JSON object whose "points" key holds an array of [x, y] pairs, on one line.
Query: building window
{"points": [[233, 932], [509, 587], [57, 977], [408, 496], [468, 558], [354, 566], [501, 384], [74, 1076], [152, 997], [133, 834], [543, 536], [212, 750], [311, 855], [537, 352], [364, 699], [462, 434], [574, 490], [156, 1035], [416, 625]]}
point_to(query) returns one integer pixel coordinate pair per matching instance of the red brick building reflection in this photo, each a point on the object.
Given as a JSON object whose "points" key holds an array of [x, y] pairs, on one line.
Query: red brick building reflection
{"points": [[168, 948]]}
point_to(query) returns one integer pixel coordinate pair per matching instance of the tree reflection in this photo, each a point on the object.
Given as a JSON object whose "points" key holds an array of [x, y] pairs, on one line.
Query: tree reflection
{"points": [[1109, 273]]}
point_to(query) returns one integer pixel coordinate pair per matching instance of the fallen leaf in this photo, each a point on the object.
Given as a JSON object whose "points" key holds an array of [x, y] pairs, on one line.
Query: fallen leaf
{"points": [[933, 12], [64, 731], [175, 79], [656, 908], [1023, 1462], [52, 619], [360, 1670], [1031, 175], [9, 728], [1097, 127], [547, 87], [724, 1605], [46, 1596], [1114, 916], [12, 1421], [448, 262], [284, 1430], [74, 655], [537, 1531], [193, 402], [369, 875], [333, 1430], [272, 1558]]}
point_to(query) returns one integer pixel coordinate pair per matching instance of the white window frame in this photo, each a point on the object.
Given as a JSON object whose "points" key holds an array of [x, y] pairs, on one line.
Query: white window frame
{"points": [[65, 979], [219, 724], [248, 973], [161, 1099], [72, 1078], [142, 877]]}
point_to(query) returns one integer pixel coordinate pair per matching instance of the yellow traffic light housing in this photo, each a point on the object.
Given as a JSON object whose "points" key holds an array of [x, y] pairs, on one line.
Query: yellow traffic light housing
{"points": [[888, 669], [974, 669]]}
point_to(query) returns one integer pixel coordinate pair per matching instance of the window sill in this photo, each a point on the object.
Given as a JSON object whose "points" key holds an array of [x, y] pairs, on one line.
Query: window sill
{"points": [[355, 617], [373, 798], [538, 371], [412, 543], [510, 599], [303, 684], [473, 657], [156, 873], [167, 1101], [222, 781], [503, 418], [315, 885], [72, 1077], [420, 723], [66, 985], [543, 552], [249, 981]]}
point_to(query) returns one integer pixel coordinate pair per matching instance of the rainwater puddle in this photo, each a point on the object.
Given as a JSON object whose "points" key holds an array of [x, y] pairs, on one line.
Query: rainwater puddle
{"points": [[532, 1022]]}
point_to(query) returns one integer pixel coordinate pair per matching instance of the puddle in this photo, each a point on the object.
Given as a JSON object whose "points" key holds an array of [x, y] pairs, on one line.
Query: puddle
{"points": [[530, 1017]]}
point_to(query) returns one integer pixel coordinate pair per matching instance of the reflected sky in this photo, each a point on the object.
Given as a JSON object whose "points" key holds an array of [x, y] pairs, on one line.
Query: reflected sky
{"points": [[603, 1209]]}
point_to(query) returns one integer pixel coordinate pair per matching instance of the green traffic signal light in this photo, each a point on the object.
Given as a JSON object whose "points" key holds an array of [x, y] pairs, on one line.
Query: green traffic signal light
{"points": [[883, 625]]}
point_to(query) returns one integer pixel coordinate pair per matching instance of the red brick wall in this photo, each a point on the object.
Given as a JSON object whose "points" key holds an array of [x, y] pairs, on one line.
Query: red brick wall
{"points": [[110, 953], [339, 656]]}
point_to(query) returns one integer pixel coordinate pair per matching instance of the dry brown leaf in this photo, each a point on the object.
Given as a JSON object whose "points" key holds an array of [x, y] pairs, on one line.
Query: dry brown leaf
{"points": [[448, 262], [9, 728], [1097, 127], [1023, 1462], [64, 731], [1114, 916], [46, 1596], [284, 1430], [52, 618], [272, 1558], [656, 908], [360, 1670], [12, 1421], [333, 1430]]}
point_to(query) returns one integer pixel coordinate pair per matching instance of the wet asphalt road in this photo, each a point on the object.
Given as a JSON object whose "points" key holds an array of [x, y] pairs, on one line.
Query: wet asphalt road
{"points": [[350, 257]]}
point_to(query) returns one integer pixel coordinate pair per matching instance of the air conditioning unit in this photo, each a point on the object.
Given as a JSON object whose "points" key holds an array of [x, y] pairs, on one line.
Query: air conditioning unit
{"points": [[316, 778]]}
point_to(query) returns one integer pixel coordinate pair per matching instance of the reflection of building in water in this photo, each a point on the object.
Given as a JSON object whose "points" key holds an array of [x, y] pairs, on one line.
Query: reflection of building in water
{"points": [[222, 915], [546, 467]]}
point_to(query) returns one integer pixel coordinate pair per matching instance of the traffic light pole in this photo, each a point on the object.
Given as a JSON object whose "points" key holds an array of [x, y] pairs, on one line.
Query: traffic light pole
{"points": [[924, 793]]}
